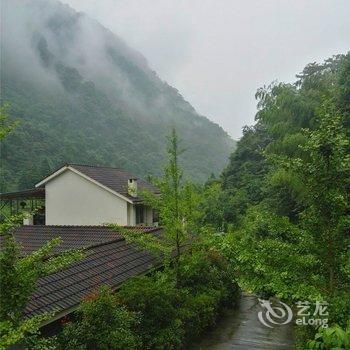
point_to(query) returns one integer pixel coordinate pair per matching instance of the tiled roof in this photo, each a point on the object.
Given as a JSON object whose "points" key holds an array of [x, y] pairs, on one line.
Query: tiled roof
{"points": [[115, 179], [24, 194], [73, 237], [109, 260]]}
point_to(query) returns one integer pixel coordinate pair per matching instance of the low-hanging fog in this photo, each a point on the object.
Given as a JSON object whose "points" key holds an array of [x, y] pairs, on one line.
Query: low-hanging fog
{"points": [[217, 53], [83, 95]]}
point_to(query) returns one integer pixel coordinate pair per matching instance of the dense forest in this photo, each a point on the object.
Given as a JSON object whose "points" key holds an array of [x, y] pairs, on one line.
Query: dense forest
{"points": [[286, 112], [284, 196], [80, 94], [276, 224]]}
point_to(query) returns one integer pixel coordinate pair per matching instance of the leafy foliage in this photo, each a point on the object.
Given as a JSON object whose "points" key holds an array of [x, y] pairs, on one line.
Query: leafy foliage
{"points": [[333, 338], [154, 311], [173, 313], [285, 193], [284, 110], [155, 298], [303, 259], [6, 126], [179, 302], [19, 275], [101, 323], [272, 256], [178, 209]]}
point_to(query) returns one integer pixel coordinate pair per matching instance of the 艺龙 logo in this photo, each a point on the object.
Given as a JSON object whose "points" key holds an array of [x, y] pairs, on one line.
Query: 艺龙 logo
{"points": [[278, 314]]}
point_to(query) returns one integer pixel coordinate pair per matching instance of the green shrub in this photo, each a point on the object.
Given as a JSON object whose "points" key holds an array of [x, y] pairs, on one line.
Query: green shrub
{"points": [[333, 338], [199, 311], [156, 299], [339, 308], [202, 270], [169, 314], [102, 323]]}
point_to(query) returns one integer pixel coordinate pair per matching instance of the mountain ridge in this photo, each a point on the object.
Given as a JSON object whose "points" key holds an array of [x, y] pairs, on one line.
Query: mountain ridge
{"points": [[82, 94]]}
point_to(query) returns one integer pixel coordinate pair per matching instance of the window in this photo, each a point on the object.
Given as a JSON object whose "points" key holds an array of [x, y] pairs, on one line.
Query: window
{"points": [[139, 214]]}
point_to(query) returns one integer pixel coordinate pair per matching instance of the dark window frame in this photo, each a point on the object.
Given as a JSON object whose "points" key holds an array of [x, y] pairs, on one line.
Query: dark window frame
{"points": [[140, 214]]}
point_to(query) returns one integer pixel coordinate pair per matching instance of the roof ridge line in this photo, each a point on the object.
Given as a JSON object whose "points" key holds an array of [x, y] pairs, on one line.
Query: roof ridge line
{"points": [[114, 240], [100, 244], [95, 166], [119, 239]]}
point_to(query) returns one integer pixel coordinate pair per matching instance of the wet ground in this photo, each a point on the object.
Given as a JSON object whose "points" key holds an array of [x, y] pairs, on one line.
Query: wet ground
{"points": [[240, 329]]}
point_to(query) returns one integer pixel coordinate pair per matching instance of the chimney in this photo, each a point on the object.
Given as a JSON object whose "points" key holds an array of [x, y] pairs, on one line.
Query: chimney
{"points": [[132, 187]]}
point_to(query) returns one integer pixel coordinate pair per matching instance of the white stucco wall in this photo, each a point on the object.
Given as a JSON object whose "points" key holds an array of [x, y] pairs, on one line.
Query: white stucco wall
{"points": [[149, 216], [73, 200], [131, 215]]}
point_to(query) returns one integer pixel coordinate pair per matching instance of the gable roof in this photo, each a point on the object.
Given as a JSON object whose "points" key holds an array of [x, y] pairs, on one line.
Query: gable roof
{"points": [[109, 260], [112, 179]]}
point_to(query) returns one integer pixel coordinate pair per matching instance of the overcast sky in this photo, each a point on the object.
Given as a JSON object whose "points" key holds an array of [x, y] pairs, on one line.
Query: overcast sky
{"points": [[218, 52]]}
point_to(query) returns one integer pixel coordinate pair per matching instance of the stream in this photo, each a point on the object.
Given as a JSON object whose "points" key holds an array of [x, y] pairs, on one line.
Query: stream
{"points": [[240, 329]]}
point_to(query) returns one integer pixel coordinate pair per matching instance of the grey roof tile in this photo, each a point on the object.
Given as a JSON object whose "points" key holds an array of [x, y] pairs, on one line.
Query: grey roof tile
{"points": [[109, 260], [115, 179]]}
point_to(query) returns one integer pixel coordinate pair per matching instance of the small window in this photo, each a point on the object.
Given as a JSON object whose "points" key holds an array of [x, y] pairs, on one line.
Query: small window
{"points": [[139, 214]]}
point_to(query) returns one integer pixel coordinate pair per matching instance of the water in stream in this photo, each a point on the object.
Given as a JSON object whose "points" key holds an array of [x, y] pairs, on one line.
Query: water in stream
{"points": [[240, 329]]}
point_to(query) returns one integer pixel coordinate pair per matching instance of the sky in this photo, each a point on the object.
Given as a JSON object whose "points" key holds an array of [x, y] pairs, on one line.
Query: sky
{"points": [[217, 53]]}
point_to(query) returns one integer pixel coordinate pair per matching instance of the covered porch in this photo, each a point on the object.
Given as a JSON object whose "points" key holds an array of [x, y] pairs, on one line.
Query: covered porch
{"points": [[30, 201]]}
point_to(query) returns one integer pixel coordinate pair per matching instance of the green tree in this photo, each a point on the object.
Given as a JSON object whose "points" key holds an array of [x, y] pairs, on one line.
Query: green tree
{"points": [[19, 274], [306, 259], [243, 178], [284, 110], [6, 126], [325, 173], [178, 209], [156, 299]]}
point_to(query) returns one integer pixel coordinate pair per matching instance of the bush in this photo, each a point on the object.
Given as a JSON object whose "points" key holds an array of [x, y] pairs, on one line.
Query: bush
{"points": [[207, 286], [207, 270], [198, 312], [102, 323], [173, 315], [164, 314], [330, 338], [339, 308], [155, 298]]}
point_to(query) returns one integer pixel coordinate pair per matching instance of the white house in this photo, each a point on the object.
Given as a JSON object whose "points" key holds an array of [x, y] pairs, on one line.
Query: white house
{"points": [[91, 195]]}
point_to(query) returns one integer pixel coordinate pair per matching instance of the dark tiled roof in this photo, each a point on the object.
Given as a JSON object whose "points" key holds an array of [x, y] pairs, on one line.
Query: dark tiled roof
{"points": [[73, 237], [24, 194], [115, 179], [109, 260]]}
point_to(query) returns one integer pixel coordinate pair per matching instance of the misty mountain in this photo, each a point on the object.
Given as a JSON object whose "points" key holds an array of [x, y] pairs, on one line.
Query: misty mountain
{"points": [[81, 94]]}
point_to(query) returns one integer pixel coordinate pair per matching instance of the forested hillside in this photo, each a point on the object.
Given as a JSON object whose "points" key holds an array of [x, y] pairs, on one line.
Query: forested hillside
{"points": [[284, 112], [284, 198], [82, 95]]}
